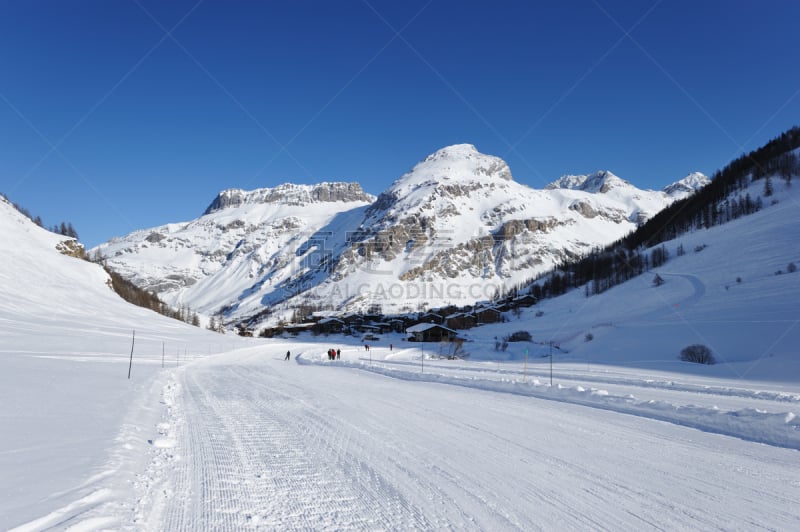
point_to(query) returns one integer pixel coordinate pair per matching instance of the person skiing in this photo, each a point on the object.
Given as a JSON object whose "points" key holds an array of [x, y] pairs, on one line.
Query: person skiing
{"points": [[288, 355], [338, 354]]}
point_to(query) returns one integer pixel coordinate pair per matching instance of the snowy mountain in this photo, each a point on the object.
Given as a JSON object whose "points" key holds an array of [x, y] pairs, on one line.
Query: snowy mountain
{"points": [[687, 186], [243, 240], [598, 182], [455, 229]]}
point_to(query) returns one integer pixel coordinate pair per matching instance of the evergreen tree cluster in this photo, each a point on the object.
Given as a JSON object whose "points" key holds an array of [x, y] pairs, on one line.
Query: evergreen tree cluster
{"points": [[64, 228], [142, 298]]}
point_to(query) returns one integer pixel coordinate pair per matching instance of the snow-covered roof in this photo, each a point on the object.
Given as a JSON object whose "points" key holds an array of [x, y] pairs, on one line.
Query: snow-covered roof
{"points": [[422, 327]]}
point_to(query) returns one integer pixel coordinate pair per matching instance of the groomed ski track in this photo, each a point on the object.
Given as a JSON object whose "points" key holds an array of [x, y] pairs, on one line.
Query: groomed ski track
{"points": [[249, 441]]}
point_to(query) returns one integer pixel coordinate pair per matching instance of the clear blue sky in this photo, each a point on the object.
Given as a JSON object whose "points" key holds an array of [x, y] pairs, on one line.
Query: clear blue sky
{"points": [[118, 115]]}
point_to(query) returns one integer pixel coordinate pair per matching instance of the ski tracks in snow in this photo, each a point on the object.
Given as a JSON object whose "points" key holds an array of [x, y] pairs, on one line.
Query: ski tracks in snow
{"points": [[249, 445], [247, 456]]}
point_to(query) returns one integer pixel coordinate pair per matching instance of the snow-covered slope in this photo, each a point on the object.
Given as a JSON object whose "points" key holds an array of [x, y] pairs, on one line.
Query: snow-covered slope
{"points": [[455, 229], [65, 343]]}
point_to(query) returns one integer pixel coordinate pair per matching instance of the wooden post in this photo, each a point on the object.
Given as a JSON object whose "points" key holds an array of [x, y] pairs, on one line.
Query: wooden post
{"points": [[130, 365], [525, 369]]}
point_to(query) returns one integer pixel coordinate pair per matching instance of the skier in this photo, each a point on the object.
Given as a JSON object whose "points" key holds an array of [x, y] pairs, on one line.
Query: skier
{"points": [[288, 355], [338, 354]]}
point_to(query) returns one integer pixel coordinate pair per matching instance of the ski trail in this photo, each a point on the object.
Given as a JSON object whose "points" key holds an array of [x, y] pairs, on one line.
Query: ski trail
{"points": [[252, 459], [256, 444]]}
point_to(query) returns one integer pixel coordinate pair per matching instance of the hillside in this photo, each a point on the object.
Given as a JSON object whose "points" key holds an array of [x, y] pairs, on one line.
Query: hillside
{"points": [[65, 343], [732, 290]]}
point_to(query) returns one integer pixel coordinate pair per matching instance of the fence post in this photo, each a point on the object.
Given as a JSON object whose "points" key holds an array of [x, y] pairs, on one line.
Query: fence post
{"points": [[130, 364]]}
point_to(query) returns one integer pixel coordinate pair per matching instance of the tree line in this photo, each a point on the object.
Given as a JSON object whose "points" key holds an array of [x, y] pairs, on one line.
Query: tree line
{"points": [[143, 298], [64, 228], [722, 200]]}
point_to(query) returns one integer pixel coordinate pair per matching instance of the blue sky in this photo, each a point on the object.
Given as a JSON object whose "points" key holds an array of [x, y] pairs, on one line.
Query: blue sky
{"points": [[118, 115]]}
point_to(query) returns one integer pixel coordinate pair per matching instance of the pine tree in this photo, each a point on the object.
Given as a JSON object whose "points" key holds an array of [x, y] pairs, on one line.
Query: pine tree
{"points": [[788, 166]]}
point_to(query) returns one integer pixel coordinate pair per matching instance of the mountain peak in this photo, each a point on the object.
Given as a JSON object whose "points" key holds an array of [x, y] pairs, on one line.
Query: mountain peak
{"points": [[290, 194], [456, 151], [459, 163], [452, 170], [688, 185], [598, 182]]}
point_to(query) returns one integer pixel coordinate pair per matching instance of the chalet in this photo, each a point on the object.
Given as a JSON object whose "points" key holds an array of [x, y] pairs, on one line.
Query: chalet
{"points": [[397, 325], [431, 332], [370, 329], [295, 328], [488, 315], [524, 301], [322, 314], [460, 320], [383, 326], [353, 320], [329, 325], [431, 317]]}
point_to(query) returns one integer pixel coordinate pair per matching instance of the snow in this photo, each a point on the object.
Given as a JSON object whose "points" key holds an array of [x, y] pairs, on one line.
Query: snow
{"points": [[229, 436]]}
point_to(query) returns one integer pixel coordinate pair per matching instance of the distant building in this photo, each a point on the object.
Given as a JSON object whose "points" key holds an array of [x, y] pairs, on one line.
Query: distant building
{"points": [[329, 326], [431, 317], [295, 328], [488, 315], [431, 332], [524, 301], [460, 320]]}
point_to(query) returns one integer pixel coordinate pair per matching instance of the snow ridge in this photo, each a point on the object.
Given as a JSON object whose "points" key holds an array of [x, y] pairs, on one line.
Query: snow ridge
{"points": [[781, 429], [290, 194]]}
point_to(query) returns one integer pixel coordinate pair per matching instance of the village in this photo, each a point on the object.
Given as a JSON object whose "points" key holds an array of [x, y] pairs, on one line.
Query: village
{"points": [[435, 325]]}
